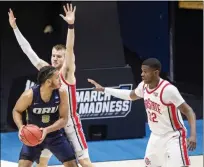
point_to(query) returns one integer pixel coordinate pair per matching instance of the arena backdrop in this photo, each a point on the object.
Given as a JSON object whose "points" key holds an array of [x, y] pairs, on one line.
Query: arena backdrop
{"points": [[100, 37]]}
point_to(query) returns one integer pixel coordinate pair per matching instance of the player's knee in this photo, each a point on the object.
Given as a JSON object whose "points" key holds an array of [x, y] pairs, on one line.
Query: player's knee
{"points": [[71, 163], [85, 162], [43, 162], [24, 163]]}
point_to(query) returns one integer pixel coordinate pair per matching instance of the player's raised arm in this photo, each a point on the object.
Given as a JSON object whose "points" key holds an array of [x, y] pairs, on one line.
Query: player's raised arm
{"points": [[120, 93], [24, 44], [68, 68]]}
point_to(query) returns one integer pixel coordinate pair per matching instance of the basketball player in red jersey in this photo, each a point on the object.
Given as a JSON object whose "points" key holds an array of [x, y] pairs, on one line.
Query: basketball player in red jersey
{"points": [[64, 60], [167, 145]]}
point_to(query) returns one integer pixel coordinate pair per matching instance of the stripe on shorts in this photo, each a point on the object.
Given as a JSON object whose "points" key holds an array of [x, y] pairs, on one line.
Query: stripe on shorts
{"points": [[75, 118], [71, 88], [177, 125]]}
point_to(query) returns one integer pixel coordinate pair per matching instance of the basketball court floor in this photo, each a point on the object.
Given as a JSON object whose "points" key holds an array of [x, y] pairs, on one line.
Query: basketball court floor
{"points": [[115, 153], [196, 161]]}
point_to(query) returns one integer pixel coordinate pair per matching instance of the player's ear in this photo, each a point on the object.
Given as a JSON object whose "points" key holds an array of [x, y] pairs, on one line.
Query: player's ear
{"points": [[156, 72], [48, 81]]}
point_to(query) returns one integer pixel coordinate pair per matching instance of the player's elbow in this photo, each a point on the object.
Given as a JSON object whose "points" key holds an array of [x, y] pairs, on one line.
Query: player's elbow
{"points": [[133, 97], [15, 112], [26, 48], [188, 112], [64, 121], [16, 115]]}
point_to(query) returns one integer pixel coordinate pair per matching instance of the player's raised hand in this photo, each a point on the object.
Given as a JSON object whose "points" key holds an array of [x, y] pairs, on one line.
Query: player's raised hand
{"points": [[191, 143], [98, 87], [12, 19], [44, 134], [69, 16]]}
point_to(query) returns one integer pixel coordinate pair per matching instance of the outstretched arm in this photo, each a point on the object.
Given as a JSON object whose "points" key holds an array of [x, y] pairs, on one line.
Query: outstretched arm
{"points": [[68, 68], [120, 93], [24, 44]]}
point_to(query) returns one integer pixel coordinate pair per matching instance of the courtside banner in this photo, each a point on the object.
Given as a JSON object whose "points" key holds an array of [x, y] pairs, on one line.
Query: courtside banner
{"points": [[97, 108]]}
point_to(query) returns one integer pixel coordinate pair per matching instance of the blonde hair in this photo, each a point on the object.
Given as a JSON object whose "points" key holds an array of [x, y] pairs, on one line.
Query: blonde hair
{"points": [[59, 47]]}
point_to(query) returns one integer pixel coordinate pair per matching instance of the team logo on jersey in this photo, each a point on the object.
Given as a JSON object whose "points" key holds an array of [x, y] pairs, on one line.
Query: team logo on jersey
{"points": [[46, 110], [96, 105], [155, 94], [45, 118]]}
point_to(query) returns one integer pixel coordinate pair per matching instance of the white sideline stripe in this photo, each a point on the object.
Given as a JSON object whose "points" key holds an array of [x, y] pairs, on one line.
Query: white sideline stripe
{"points": [[196, 161]]}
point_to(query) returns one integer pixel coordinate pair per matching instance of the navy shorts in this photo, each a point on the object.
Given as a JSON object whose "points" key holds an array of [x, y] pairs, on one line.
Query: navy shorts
{"points": [[56, 142]]}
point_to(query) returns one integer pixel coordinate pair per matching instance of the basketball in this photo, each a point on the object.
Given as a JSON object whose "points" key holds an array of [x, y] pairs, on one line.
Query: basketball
{"points": [[31, 134]]}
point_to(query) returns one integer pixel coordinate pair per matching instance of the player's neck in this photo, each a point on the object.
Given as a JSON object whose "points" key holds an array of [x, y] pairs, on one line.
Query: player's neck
{"points": [[45, 93], [154, 83]]}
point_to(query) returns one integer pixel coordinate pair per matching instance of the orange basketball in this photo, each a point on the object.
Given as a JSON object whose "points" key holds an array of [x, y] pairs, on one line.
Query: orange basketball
{"points": [[31, 134]]}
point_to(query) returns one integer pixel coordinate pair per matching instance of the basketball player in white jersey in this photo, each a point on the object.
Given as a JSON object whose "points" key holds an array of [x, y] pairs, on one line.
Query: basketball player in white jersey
{"points": [[64, 60], [167, 145]]}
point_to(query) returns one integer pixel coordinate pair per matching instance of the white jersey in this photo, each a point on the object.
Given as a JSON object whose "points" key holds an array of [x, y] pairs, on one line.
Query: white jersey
{"points": [[161, 106], [71, 90]]}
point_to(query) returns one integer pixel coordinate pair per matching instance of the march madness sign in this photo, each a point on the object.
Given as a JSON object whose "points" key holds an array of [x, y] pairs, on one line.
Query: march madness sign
{"points": [[94, 104]]}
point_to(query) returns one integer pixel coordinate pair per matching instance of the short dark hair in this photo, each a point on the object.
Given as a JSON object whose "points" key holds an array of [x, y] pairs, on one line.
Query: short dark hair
{"points": [[45, 73], [152, 63]]}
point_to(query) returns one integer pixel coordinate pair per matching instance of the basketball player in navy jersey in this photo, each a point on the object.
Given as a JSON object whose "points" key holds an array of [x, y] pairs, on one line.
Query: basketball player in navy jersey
{"points": [[63, 59], [47, 107]]}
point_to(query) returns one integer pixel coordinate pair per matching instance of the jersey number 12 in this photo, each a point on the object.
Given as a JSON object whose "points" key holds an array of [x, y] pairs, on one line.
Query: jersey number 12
{"points": [[152, 117]]}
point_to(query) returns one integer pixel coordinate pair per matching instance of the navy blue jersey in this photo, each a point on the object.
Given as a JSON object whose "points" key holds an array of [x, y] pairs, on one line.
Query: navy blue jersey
{"points": [[42, 113]]}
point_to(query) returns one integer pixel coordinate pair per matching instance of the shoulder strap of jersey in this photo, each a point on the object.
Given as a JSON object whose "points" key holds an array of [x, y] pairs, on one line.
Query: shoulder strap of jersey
{"points": [[162, 90], [36, 92]]}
